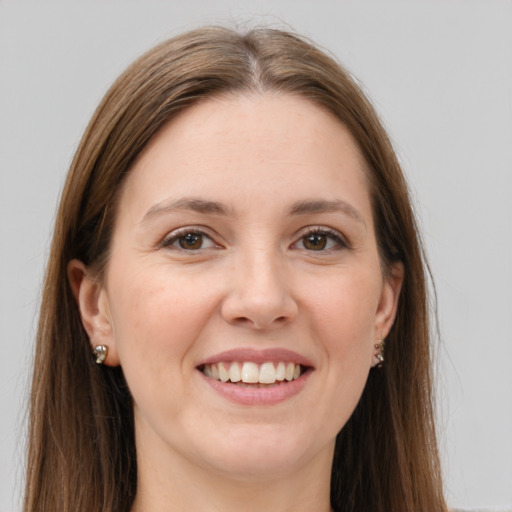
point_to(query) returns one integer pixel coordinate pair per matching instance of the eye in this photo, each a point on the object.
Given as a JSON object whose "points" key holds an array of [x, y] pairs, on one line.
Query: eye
{"points": [[321, 239], [189, 240]]}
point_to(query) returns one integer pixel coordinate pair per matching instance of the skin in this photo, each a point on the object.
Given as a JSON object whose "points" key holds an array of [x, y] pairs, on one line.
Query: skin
{"points": [[255, 282]]}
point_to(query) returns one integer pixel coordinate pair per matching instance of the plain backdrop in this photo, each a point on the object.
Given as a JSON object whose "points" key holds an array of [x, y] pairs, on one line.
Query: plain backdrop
{"points": [[440, 75]]}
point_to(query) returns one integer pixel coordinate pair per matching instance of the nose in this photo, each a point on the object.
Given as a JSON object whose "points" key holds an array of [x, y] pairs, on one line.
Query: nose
{"points": [[260, 294]]}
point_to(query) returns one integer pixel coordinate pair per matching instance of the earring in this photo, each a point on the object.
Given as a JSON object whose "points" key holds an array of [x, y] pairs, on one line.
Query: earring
{"points": [[100, 352], [379, 346]]}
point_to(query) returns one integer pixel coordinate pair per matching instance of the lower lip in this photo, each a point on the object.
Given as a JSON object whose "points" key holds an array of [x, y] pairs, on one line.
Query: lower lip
{"points": [[258, 396]]}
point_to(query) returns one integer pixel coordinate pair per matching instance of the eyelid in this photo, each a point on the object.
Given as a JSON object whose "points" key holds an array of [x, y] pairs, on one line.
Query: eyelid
{"points": [[341, 240], [174, 235]]}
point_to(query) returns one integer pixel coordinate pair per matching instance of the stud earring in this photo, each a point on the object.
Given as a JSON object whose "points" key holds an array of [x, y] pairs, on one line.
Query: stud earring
{"points": [[100, 352], [379, 356]]}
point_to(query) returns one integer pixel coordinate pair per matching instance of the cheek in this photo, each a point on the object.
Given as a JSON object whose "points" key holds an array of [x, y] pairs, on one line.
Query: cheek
{"points": [[343, 327], [158, 320], [157, 316], [343, 318]]}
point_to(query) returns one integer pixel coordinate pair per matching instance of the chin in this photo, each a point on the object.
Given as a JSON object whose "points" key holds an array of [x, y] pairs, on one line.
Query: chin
{"points": [[257, 452]]}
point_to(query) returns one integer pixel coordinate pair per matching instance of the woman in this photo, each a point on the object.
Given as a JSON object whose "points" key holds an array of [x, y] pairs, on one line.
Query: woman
{"points": [[234, 242]]}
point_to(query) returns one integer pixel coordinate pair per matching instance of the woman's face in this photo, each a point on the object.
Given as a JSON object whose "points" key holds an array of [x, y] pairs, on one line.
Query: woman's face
{"points": [[243, 250]]}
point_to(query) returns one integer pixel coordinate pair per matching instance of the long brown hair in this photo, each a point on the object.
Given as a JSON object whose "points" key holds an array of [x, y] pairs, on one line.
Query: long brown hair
{"points": [[81, 455]]}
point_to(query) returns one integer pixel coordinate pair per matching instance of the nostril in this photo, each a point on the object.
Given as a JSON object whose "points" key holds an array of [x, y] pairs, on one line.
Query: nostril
{"points": [[260, 322], [242, 320]]}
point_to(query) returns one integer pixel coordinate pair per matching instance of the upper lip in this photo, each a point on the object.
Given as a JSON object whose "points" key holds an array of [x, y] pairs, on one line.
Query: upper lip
{"points": [[258, 356]]}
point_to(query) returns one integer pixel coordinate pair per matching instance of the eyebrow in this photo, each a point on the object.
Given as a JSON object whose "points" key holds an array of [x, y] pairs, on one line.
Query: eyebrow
{"points": [[205, 206], [187, 203], [324, 206]]}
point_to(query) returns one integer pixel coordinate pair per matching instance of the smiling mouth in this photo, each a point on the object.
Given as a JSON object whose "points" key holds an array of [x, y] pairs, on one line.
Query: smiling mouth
{"points": [[250, 374]]}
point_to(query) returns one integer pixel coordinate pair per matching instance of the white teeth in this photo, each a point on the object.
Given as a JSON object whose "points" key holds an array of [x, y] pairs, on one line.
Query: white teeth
{"points": [[281, 371], [290, 369], [252, 373], [268, 373], [235, 375], [223, 374]]}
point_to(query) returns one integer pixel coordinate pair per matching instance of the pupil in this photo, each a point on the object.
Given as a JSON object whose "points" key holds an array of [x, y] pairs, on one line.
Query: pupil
{"points": [[315, 242], [190, 241]]}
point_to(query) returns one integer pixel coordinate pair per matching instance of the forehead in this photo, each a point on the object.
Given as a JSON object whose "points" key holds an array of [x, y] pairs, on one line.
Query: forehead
{"points": [[249, 148]]}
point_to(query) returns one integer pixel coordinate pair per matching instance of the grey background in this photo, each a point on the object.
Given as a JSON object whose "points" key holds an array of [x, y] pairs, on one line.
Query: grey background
{"points": [[439, 73]]}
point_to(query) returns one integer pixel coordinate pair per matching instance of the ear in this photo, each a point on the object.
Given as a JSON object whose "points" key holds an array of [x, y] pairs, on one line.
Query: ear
{"points": [[388, 304], [92, 300]]}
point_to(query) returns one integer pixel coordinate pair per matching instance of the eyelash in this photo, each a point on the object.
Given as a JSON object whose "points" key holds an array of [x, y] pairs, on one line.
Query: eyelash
{"points": [[174, 237], [333, 235], [340, 242]]}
